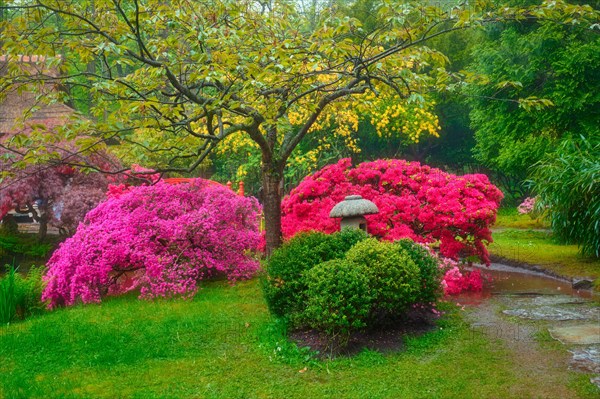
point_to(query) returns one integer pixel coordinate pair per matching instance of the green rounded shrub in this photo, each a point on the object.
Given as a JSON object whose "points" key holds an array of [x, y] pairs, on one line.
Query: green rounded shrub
{"points": [[338, 298], [283, 284], [394, 276], [430, 288]]}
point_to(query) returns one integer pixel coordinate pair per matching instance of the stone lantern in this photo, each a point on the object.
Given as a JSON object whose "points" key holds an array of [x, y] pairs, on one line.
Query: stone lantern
{"points": [[352, 210]]}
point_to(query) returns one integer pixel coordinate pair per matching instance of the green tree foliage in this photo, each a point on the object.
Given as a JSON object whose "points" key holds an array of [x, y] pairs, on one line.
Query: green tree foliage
{"points": [[454, 147], [536, 83], [195, 72], [568, 184]]}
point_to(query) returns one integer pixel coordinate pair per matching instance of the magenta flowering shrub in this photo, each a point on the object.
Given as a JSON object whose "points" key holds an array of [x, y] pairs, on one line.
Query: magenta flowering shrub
{"points": [[160, 239], [415, 201]]}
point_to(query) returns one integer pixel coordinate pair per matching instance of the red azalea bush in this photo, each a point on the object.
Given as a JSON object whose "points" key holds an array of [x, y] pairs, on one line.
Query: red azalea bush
{"points": [[415, 201], [161, 239], [456, 281]]}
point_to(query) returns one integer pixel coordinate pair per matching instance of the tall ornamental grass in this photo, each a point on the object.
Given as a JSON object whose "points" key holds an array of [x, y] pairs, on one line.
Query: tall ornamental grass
{"points": [[568, 185], [7, 296], [20, 295]]}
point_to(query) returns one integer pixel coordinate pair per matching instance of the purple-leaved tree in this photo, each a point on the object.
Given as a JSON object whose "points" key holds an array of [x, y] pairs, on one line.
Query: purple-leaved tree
{"points": [[62, 191]]}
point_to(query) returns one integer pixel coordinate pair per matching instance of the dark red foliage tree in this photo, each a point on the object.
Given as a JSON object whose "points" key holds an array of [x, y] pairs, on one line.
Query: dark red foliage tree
{"points": [[56, 191]]}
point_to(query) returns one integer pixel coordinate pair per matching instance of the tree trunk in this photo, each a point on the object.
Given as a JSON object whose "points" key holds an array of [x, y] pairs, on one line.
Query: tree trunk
{"points": [[43, 232], [272, 193], [42, 217]]}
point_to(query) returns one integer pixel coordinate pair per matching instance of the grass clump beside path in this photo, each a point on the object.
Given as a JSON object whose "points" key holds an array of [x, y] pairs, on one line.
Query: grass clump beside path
{"points": [[223, 344], [538, 247]]}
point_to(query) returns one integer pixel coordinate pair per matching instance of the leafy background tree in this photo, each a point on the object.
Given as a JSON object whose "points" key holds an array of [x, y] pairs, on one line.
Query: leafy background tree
{"points": [[536, 84], [63, 193]]}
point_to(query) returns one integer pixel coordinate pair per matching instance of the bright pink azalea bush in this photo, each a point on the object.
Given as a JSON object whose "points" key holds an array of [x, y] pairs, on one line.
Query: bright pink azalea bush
{"points": [[415, 201], [456, 281], [161, 239]]}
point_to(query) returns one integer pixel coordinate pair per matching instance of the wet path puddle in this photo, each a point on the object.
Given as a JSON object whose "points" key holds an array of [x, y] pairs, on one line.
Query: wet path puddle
{"points": [[571, 316]]}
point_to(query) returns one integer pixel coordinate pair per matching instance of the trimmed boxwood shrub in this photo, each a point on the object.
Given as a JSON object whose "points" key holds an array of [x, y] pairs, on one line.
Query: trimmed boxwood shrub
{"points": [[344, 282], [283, 284], [431, 275], [394, 276], [339, 298]]}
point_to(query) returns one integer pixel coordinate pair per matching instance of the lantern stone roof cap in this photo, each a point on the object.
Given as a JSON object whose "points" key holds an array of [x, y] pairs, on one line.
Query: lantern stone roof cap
{"points": [[353, 205]]}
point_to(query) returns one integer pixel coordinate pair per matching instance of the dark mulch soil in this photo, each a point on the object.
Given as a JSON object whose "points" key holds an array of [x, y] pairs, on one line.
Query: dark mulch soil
{"points": [[384, 339]]}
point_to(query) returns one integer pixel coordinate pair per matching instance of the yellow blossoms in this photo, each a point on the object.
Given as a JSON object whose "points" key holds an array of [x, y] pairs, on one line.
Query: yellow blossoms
{"points": [[410, 120]]}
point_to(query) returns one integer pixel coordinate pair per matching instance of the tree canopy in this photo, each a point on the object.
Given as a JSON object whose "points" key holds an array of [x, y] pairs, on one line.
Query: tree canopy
{"points": [[556, 66], [195, 72]]}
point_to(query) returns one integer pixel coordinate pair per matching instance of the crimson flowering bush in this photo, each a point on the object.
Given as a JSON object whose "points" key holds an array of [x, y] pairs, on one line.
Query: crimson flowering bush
{"points": [[415, 201], [161, 239], [456, 281]]}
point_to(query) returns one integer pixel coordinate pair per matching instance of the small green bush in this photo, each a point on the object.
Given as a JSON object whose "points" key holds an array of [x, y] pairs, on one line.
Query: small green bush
{"points": [[29, 289], [283, 284], [394, 276], [17, 244], [345, 282], [338, 298], [431, 275], [20, 296]]}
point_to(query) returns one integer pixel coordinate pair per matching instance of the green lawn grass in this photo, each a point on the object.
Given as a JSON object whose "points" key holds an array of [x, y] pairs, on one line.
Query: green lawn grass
{"points": [[539, 248], [511, 218], [223, 344]]}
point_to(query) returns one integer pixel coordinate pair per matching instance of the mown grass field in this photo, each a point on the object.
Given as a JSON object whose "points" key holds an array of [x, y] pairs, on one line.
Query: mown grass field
{"points": [[223, 344]]}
